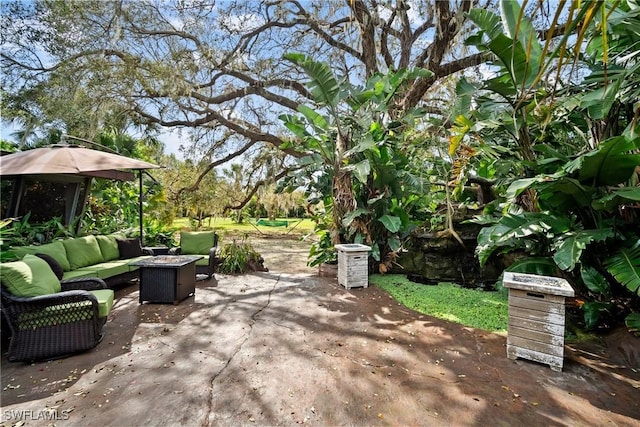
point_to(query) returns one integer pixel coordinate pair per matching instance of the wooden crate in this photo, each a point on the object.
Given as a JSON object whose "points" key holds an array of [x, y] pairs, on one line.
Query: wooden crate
{"points": [[536, 318], [353, 265]]}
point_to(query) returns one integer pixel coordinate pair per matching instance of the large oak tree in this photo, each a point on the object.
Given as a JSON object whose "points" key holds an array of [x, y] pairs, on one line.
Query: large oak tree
{"points": [[215, 67]]}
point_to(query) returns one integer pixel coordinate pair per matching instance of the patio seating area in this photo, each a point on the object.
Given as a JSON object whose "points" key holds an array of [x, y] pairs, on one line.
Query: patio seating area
{"points": [[56, 297], [289, 347]]}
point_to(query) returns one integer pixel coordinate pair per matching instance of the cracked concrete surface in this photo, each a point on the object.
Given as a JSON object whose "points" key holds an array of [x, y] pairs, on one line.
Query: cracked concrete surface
{"points": [[287, 347]]}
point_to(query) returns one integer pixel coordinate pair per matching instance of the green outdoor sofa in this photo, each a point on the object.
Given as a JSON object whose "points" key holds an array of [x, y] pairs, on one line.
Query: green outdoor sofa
{"points": [[107, 257]]}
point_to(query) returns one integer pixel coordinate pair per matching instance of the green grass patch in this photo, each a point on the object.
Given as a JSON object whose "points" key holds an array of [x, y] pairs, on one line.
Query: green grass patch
{"points": [[296, 225], [470, 307]]}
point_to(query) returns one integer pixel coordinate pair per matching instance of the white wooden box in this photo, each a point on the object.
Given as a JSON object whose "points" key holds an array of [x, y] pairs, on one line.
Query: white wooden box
{"points": [[537, 317], [353, 265]]}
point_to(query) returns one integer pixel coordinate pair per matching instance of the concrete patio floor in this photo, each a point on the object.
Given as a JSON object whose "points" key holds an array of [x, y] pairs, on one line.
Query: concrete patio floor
{"points": [[287, 347]]}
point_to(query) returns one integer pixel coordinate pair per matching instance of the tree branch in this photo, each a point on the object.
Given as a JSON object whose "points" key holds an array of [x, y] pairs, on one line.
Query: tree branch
{"points": [[259, 184]]}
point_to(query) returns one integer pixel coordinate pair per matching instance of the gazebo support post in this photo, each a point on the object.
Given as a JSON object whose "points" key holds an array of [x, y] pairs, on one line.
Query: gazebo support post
{"points": [[85, 198], [140, 195], [16, 196], [71, 198]]}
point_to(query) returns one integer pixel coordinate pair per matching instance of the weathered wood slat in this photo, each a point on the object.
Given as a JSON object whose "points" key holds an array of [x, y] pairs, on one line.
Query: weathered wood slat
{"points": [[553, 350], [531, 304], [539, 316], [539, 336], [536, 296], [537, 326]]}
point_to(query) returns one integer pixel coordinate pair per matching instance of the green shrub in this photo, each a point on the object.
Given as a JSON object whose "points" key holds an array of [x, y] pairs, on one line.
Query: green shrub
{"points": [[238, 257]]}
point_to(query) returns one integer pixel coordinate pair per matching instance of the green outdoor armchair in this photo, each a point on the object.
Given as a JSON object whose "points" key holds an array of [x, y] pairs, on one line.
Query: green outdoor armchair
{"points": [[203, 243], [47, 318]]}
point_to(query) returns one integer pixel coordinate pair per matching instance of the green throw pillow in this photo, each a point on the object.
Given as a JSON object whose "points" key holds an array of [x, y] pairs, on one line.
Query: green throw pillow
{"points": [[30, 277], [55, 250], [108, 247], [196, 242], [83, 251]]}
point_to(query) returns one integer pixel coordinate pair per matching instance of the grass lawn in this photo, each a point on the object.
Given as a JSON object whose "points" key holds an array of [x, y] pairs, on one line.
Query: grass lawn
{"points": [[221, 224], [470, 307]]}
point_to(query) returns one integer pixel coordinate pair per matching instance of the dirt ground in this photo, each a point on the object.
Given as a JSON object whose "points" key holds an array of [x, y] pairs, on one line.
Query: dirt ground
{"points": [[287, 347]]}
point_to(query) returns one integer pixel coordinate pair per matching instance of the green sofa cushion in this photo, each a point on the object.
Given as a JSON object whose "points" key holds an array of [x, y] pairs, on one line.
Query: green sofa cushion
{"points": [[83, 251], [104, 270], [105, 301], [112, 268], [83, 273], [108, 247], [55, 249], [196, 242], [30, 277]]}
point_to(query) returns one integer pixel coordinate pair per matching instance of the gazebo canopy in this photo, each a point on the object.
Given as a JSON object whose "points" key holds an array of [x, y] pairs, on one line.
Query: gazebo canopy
{"points": [[70, 159], [73, 165]]}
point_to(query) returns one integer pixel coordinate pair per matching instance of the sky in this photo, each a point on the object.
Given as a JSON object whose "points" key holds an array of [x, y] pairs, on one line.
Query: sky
{"points": [[169, 137]]}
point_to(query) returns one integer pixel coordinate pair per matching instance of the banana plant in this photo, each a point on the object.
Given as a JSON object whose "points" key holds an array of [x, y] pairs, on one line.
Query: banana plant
{"points": [[579, 143], [351, 149], [579, 228]]}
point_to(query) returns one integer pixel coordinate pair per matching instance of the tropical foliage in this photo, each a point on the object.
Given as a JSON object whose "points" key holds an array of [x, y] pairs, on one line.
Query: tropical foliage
{"points": [[352, 149], [579, 144]]}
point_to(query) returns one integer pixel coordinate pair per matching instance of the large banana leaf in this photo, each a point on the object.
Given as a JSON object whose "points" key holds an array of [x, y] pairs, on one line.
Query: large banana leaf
{"points": [[625, 267], [519, 27], [360, 170], [633, 322], [598, 102], [611, 163], [593, 311], [323, 84], [556, 192], [518, 51], [616, 198], [562, 195], [318, 121], [348, 219], [568, 250], [595, 281], [518, 231], [391, 223], [295, 125]]}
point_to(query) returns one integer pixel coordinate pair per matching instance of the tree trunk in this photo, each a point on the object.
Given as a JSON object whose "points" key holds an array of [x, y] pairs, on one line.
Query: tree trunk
{"points": [[344, 202]]}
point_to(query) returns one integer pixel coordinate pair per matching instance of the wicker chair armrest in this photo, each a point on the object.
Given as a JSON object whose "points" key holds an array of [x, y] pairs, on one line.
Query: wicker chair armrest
{"points": [[147, 251], [175, 251], [53, 299], [15, 307], [84, 284]]}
